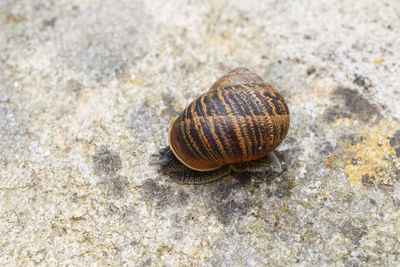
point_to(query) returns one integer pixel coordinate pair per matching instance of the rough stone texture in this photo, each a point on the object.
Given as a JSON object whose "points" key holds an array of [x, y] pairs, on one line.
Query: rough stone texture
{"points": [[88, 89]]}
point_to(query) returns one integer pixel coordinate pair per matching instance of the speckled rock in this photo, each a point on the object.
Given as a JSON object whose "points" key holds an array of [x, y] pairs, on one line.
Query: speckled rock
{"points": [[87, 92]]}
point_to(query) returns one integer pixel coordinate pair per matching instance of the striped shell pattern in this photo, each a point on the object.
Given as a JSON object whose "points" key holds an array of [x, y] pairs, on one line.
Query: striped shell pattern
{"points": [[241, 118]]}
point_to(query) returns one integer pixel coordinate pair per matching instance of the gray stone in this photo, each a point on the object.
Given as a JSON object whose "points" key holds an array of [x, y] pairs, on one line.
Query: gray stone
{"points": [[87, 93]]}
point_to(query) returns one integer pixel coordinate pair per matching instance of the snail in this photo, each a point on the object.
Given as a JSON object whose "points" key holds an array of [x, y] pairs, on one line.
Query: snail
{"points": [[233, 127]]}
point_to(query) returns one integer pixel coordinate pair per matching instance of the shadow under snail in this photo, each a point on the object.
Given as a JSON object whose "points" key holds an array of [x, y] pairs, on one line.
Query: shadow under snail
{"points": [[234, 127]]}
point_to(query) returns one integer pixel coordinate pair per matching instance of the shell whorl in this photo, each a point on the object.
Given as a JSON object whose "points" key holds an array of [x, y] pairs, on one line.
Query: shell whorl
{"points": [[241, 118], [237, 76]]}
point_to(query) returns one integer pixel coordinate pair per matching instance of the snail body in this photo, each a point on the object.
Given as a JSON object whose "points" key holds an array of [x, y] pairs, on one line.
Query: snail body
{"points": [[233, 126]]}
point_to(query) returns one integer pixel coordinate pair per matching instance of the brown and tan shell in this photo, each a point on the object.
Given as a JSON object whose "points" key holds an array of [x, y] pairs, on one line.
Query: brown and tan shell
{"points": [[241, 118]]}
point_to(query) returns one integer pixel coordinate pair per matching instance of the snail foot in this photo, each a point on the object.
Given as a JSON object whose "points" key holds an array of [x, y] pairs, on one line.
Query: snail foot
{"points": [[264, 164], [181, 174]]}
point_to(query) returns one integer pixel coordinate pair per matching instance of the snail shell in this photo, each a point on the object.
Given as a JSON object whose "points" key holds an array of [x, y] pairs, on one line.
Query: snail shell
{"points": [[241, 118]]}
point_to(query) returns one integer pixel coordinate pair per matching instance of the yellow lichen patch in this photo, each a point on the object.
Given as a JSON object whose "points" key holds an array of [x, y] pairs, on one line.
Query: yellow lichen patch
{"points": [[136, 80], [373, 160]]}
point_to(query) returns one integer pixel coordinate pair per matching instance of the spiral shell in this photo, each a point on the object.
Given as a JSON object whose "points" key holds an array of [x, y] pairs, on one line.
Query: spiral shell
{"points": [[241, 118]]}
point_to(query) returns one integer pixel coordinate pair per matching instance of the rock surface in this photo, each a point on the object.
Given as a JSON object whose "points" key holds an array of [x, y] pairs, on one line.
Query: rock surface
{"points": [[88, 90]]}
